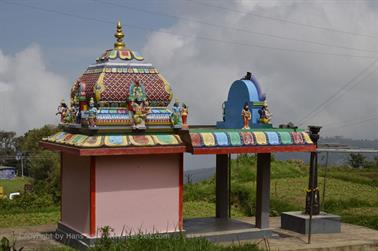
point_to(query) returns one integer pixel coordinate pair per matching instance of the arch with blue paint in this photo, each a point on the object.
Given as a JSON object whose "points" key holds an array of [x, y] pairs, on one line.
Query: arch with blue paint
{"points": [[241, 92]]}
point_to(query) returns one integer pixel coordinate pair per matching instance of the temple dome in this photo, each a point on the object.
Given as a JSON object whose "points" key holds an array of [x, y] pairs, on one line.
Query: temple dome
{"points": [[109, 79]]}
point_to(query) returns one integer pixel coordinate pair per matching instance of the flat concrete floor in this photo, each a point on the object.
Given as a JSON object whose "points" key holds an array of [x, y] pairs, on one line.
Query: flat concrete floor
{"points": [[351, 238]]}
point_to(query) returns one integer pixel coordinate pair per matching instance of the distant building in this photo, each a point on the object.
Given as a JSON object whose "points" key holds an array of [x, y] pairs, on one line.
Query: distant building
{"points": [[7, 172]]}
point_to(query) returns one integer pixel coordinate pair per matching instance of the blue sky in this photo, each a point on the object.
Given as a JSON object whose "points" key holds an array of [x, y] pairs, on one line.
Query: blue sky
{"points": [[69, 44], [300, 63]]}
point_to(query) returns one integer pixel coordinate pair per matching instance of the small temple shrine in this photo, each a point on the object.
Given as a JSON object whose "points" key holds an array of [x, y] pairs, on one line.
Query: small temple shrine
{"points": [[122, 150]]}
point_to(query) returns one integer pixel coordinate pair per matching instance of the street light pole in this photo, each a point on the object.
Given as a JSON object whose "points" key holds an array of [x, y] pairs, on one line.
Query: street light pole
{"points": [[312, 195]]}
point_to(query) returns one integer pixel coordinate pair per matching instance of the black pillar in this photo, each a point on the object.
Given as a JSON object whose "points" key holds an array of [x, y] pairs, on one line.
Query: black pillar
{"points": [[221, 186], [263, 190], [312, 194]]}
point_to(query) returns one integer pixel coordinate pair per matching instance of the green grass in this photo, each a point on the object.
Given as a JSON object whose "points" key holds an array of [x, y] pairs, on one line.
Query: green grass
{"points": [[359, 176], [350, 193], [15, 185], [29, 218], [199, 209]]}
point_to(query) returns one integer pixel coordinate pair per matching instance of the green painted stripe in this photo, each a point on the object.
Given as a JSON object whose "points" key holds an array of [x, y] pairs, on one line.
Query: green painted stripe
{"points": [[235, 138]]}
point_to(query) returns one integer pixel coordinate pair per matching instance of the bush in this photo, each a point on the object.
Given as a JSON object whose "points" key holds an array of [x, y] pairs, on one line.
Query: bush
{"points": [[27, 202]]}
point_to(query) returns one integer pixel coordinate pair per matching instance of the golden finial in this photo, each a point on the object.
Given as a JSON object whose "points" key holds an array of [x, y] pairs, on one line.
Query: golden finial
{"points": [[119, 44]]}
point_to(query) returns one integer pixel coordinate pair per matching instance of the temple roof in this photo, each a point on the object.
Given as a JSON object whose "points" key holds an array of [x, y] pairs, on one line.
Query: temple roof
{"points": [[116, 69]]}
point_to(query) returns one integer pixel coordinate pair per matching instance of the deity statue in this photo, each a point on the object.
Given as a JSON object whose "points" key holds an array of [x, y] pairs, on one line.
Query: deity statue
{"points": [[176, 115], [138, 105], [62, 111], [140, 111], [137, 92], [246, 115], [184, 114], [92, 112], [265, 114]]}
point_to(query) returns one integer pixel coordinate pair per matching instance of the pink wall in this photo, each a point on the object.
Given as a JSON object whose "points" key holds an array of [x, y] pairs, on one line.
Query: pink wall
{"points": [[75, 192], [138, 193]]}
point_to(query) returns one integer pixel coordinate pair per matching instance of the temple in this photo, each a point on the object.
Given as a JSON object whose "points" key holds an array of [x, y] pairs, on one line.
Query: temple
{"points": [[122, 150]]}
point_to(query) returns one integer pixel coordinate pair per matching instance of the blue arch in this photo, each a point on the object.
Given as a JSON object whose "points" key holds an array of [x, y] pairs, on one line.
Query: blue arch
{"points": [[241, 92]]}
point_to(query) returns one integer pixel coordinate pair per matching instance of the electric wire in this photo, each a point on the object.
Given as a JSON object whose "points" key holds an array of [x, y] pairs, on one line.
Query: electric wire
{"points": [[284, 20], [351, 83], [191, 20], [190, 36]]}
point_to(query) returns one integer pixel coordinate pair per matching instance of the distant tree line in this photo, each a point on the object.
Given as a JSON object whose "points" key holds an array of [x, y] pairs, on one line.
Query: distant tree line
{"points": [[41, 165]]}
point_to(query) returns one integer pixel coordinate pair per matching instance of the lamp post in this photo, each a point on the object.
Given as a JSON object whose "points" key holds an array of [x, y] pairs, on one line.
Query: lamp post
{"points": [[312, 194], [313, 191]]}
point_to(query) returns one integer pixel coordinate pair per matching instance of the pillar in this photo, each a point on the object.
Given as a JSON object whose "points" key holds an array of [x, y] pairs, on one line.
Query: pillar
{"points": [[263, 190], [221, 186]]}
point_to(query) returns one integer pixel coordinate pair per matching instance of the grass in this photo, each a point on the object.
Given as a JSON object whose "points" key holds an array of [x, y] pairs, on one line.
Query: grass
{"points": [[29, 218], [199, 209], [15, 185], [350, 193]]}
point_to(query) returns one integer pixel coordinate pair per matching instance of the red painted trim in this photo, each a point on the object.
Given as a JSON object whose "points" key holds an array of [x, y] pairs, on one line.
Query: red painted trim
{"points": [[61, 186], [254, 149], [181, 192], [92, 227], [113, 151]]}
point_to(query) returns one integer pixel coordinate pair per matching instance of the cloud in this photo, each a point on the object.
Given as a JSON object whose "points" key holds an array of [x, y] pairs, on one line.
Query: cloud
{"points": [[29, 92], [201, 71]]}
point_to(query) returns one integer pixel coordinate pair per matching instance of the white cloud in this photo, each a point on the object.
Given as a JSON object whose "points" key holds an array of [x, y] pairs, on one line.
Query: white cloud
{"points": [[29, 92], [201, 71]]}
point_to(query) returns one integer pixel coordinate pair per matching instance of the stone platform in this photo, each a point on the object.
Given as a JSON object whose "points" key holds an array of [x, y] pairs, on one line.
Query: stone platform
{"points": [[223, 230], [299, 222]]}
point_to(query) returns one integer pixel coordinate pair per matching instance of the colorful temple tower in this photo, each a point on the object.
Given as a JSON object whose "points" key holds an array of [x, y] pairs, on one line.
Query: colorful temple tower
{"points": [[122, 151], [246, 91]]}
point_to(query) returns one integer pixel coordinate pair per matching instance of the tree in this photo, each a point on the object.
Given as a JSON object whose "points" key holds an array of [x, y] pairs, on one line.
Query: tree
{"points": [[43, 165], [8, 148], [356, 160]]}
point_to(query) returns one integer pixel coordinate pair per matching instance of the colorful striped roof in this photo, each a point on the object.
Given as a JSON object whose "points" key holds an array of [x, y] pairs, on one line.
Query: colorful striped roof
{"points": [[84, 141], [238, 138]]}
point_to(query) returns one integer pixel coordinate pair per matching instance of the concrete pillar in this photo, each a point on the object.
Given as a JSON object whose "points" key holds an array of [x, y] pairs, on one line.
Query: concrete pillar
{"points": [[263, 190], [221, 186]]}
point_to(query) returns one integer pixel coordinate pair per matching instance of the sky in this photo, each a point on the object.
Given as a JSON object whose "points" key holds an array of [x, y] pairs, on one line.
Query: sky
{"points": [[315, 60]]}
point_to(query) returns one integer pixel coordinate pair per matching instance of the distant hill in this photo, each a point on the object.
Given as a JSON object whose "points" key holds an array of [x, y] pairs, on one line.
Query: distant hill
{"points": [[334, 158], [197, 175]]}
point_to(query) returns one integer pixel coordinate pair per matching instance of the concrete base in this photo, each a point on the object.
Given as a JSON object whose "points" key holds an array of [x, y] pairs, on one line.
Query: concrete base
{"points": [[212, 229], [70, 237], [223, 230], [299, 222]]}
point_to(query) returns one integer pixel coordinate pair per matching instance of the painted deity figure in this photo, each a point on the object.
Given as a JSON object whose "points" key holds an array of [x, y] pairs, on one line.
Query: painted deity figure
{"points": [[140, 111], [246, 116], [176, 119], [184, 114], [265, 114], [62, 111], [92, 112], [138, 105], [137, 92]]}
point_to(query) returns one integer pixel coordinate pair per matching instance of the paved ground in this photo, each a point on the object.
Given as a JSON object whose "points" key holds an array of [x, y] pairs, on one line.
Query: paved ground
{"points": [[31, 238], [351, 238]]}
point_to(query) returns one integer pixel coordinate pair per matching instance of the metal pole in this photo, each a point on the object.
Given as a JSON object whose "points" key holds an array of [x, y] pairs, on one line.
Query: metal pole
{"points": [[229, 186], [312, 207], [22, 166], [311, 195], [325, 180]]}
